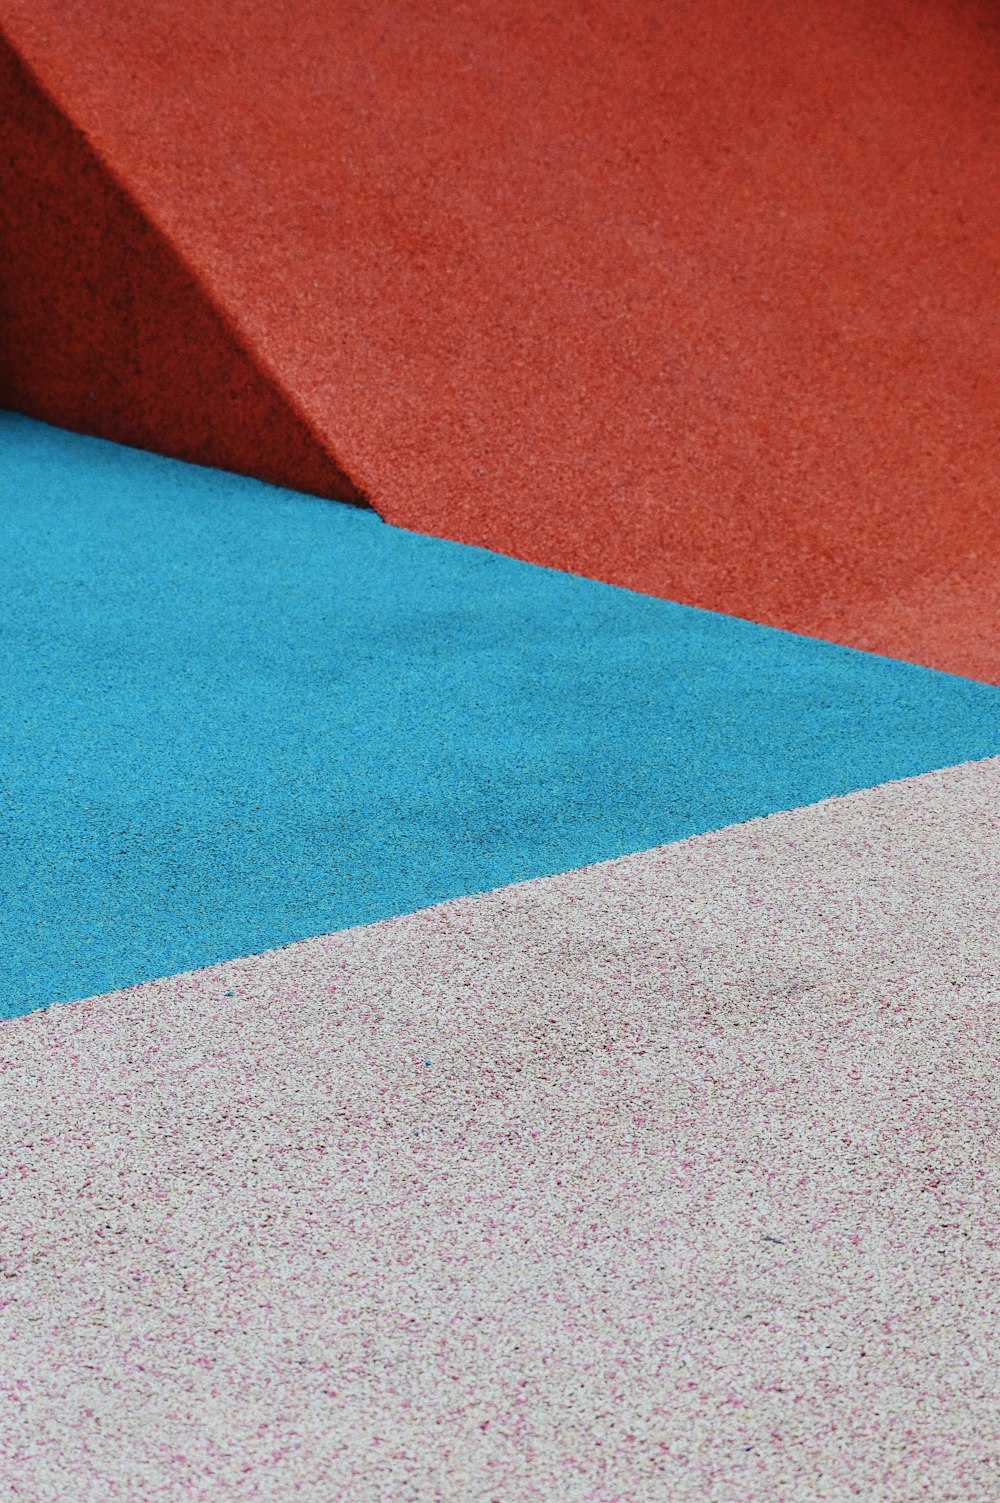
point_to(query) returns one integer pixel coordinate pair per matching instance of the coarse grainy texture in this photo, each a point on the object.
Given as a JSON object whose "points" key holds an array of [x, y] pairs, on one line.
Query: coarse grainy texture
{"points": [[232, 717], [104, 328], [698, 298], [671, 1178]]}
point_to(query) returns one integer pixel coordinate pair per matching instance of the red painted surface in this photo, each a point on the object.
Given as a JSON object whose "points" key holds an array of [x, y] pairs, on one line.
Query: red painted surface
{"points": [[103, 329], [697, 298]]}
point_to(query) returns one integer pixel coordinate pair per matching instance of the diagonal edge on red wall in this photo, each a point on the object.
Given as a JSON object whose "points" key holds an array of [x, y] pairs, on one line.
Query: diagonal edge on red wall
{"points": [[105, 330]]}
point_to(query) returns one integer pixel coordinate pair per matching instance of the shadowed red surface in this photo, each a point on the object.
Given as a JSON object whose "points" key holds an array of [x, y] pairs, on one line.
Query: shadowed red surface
{"points": [[699, 299], [105, 330]]}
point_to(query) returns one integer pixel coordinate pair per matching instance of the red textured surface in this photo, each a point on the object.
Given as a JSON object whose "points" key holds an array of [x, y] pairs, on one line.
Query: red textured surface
{"points": [[104, 330], [700, 299]]}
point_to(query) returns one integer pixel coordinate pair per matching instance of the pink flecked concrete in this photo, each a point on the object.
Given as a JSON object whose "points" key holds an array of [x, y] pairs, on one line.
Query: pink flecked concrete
{"points": [[672, 1178]]}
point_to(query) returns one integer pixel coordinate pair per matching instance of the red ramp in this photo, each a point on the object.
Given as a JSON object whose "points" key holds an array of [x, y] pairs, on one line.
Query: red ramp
{"points": [[700, 299], [106, 330]]}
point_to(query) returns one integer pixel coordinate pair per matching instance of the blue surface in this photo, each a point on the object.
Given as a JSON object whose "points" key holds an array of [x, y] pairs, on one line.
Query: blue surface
{"points": [[233, 716]]}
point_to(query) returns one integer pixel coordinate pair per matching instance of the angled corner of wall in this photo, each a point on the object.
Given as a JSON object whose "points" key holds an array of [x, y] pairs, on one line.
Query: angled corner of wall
{"points": [[105, 330]]}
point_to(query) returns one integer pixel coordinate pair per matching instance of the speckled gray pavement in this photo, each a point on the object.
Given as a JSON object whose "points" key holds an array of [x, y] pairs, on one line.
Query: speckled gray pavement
{"points": [[668, 1179]]}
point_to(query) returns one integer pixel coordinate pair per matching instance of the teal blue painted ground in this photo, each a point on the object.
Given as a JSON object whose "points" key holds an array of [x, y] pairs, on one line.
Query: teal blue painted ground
{"points": [[232, 717]]}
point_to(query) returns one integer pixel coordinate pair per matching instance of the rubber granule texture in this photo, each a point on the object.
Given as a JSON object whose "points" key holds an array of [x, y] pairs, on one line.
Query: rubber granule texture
{"points": [[700, 299], [669, 1178]]}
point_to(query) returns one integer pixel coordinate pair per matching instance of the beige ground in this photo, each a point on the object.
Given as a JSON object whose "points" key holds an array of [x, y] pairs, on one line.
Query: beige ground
{"points": [[668, 1179]]}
